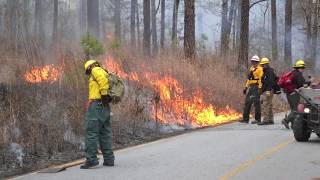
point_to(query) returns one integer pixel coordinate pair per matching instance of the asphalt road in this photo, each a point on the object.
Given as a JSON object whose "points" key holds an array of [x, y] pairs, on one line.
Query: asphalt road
{"points": [[233, 151]]}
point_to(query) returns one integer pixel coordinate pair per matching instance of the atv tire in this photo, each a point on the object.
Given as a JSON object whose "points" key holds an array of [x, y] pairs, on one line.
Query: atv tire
{"points": [[300, 130]]}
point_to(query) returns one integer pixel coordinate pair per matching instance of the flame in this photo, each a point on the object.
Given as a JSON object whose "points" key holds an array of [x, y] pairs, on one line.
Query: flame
{"points": [[45, 74], [174, 107]]}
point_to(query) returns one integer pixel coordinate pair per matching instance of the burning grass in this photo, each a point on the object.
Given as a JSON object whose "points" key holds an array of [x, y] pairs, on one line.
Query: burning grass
{"points": [[177, 105], [45, 74]]}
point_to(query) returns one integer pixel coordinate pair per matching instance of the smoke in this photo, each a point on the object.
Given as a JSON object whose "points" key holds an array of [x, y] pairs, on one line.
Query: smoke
{"points": [[18, 152]]}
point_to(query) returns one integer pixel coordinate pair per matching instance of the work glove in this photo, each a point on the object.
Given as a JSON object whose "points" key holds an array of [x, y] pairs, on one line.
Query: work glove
{"points": [[268, 93], [106, 99], [245, 91]]}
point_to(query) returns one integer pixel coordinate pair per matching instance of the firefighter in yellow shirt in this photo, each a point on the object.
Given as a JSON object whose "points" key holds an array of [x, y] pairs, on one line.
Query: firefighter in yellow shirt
{"points": [[97, 120], [253, 91]]}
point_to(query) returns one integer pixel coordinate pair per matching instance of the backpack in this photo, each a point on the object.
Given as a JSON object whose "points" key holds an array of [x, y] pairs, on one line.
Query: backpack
{"points": [[116, 87], [286, 82]]}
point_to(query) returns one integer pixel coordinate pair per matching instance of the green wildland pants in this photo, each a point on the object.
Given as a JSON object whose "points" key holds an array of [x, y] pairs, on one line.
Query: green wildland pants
{"points": [[253, 97], [293, 100], [98, 129], [267, 111]]}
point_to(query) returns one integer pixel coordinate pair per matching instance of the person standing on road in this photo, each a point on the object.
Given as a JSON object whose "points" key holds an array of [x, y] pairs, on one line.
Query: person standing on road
{"points": [[253, 90], [268, 83], [97, 119], [297, 79]]}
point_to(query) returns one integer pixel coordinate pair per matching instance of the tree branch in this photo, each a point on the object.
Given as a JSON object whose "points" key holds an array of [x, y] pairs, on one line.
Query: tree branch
{"points": [[257, 2], [158, 7]]}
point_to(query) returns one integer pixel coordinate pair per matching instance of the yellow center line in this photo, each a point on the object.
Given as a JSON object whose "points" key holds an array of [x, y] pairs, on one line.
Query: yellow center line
{"points": [[245, 165]]}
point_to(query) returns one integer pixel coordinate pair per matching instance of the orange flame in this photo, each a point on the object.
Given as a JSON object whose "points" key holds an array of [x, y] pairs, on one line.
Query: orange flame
{"points": [[175, 107], [45, 74]]}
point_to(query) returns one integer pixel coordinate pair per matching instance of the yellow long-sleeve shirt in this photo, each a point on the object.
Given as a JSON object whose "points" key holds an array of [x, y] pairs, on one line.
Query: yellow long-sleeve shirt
{"points": [[98, 83], [256, 78]]}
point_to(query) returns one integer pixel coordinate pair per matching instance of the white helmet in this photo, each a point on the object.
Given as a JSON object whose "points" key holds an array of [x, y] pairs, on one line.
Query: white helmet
{"points": [[255, 58]]}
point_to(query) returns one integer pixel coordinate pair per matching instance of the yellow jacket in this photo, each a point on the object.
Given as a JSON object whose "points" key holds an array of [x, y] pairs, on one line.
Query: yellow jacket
{"points": [[255, 76], [98, 83]]}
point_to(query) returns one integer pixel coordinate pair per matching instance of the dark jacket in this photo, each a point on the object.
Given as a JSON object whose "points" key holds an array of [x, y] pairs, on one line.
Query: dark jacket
{"points": [[269, 79], [298, 79]]}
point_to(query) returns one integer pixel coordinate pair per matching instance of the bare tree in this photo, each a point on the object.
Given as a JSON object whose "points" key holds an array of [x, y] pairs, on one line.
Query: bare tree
{"points": [[146, 31], [226, 25], [175, 21], [288, 33], [189, 29], [238, 25], [315, 33], [274, 30], [117, 19], [154, 28], [12, 24], [244, 34], [133, 22], [93, 16], [163, 23], [83, 17], [55, 22], [39, 20], [308, 17], [224, 19], [138, 26]]}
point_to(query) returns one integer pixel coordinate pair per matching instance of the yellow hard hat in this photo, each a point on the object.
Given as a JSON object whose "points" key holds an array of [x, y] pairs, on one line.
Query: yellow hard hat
{"points": [[89, 63], [299, 64], [264, 61]]}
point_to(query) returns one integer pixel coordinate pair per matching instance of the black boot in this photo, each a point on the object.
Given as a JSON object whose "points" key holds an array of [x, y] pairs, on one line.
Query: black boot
{"points": [[89, 164], [108, 163], [243, 121], [254, 122], [285, 123], [265, 123]]}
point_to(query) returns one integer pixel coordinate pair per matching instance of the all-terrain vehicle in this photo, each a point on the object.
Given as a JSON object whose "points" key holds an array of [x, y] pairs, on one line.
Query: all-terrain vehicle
{"points": [[307, 118]]}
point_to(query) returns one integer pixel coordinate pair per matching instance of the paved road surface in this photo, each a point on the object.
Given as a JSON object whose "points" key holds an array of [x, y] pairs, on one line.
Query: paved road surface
{"points": [[234, 151]]}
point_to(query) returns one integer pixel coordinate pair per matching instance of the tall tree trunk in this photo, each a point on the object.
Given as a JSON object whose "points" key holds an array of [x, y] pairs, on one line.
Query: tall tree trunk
{"points": [[83, 17], [39, 23], [227, 23], [315, 34], [189, 29], [26, 19], [224, 21], [163, 23], [175, 21], [308, 17], [238, 24], [154, 28], [274, 30], [138, 27], [244, 34], [133, 23], [288, 33], [146, 24], [234, 27], [12, 26], [55, 23], [117, 19], [93, 16]]}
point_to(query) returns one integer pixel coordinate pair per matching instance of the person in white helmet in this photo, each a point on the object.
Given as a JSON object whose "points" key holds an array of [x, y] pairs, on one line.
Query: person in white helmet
{"points": [[252, 91]]}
